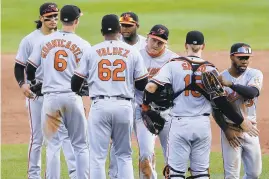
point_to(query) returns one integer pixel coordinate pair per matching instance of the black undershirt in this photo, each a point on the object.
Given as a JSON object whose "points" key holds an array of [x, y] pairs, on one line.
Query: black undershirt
{"points": [[248, 92]]}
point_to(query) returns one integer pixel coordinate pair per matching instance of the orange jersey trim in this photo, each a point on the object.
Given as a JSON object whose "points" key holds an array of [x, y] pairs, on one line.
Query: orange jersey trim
{"points": [[80, 75], [141, 77], [32, 63], [157, 81], [19, 62]]}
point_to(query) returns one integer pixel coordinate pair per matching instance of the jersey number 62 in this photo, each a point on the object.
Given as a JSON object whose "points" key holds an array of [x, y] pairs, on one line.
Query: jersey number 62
{"points": [[105, 73]]}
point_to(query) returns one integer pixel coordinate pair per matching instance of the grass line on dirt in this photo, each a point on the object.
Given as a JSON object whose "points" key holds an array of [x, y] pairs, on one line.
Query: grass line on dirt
{"points": [[14, 163]]}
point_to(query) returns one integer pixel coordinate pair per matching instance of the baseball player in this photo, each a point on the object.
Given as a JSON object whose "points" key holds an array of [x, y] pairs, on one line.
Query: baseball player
{"points": [[243, 86], [129, 25], [155, 55], [112, 68], [190, 132], [45, 25], [58, 54]]}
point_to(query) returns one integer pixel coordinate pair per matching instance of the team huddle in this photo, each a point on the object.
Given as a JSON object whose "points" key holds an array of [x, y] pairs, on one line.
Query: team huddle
{"points": [[136, 84]]}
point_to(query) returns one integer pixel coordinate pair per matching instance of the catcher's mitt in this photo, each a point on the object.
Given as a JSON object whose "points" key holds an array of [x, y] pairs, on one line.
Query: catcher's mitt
{"points": [[153, 121], [36, 88], [164, 96], [212, 85], [84, 91]]}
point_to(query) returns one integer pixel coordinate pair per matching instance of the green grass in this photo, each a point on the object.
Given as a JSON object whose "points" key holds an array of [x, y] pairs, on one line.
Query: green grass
{"points": [[223, 22], [14, 163]]}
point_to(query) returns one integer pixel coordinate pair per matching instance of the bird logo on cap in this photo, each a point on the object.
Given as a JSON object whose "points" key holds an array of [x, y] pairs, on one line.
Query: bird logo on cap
{"points": [[161, 31], [126, 17], [52, 6]]}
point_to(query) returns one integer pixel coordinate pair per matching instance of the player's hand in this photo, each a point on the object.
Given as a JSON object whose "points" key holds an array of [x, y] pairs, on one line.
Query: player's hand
{"points": [[145, 107], [26, 91], [250, 128], [233, 137], [224, 82]]}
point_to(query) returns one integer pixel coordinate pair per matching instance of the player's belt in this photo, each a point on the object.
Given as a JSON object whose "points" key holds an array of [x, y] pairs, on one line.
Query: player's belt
{"points": [[110, 97], [204, 114]]}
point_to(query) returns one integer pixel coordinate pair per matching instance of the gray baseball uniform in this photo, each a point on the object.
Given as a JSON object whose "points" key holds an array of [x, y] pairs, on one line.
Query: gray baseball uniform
{"points": [[34, 110], [250, 151], [187, 140], [146, 140], [111, 67], [113, 169], [58, 54]]}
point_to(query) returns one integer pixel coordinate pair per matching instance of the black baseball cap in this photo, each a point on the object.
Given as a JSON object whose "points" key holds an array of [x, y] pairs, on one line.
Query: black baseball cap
{"points": [[69, 13], [48, 9], [241, 49], [195, 38], [110, 24], [129, 18], [159, 32]]}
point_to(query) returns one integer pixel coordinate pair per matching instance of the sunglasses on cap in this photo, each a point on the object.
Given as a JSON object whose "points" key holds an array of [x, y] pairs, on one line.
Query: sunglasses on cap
{"points": [[51, 17], [50, 9], [243, 50]]}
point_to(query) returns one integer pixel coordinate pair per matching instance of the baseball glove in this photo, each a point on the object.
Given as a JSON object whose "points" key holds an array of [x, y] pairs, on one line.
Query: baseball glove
{"points": [[153, 121], [164, 96], [36, 88], [212, 85], [84, 91]]}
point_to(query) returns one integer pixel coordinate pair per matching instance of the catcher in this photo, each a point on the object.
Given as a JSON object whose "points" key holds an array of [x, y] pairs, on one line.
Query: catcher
{"points": [[196, 87]]}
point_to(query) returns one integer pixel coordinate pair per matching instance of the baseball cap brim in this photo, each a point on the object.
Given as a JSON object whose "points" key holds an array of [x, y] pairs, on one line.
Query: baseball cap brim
{"points": [[242, 55], [50, 13], [129, 21], [158, 38]]}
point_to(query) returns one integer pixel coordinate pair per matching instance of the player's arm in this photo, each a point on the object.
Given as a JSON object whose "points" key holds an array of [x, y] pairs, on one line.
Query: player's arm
{"points": [[30, 72], [219, 118], [141, 84], [19, 74], [158, 81], [33, 63], [247, 92], [80, 73], [20, 61], [76, 83], [140, 71]]}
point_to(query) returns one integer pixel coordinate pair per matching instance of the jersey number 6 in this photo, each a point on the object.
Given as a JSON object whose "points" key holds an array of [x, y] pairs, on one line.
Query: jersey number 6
{"points": [[104, 74], [59, 63]]}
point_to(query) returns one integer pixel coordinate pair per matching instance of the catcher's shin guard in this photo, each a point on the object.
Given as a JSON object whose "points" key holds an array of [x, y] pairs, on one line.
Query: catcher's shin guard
{"points": [[169, 172], [199, 174]]}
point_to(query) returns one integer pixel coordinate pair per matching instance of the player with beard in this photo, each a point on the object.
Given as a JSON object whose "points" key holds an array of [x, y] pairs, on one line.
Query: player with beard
{"points": [[243, 86], [129, 26]]}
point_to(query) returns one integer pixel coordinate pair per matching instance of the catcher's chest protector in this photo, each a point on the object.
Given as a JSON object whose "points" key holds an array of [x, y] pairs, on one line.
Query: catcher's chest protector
{"points": [[193, 85]]}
